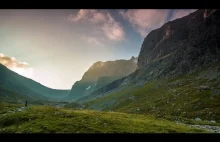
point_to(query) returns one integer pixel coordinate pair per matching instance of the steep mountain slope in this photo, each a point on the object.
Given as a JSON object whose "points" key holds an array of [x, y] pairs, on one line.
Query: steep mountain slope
{"points": [[101, 73], [9, 96], [191, 96], [13, 97], [12, 81], [178, 73], [181, 46]]}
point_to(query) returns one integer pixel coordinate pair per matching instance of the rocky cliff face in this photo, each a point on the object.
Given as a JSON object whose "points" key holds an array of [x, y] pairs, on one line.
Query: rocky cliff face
{"points": [[100, 74], [178, 47], [184, 45], [187, 32]]}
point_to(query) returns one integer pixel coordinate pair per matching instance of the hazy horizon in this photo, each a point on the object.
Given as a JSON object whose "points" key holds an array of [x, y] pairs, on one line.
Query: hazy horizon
{"points": [[56, 47]]}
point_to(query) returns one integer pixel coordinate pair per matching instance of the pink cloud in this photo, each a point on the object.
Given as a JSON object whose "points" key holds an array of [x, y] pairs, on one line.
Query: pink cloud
{"points": [[98, 17], [144, 20], [107, 24], [181, 13], [81, 15], [112, 29]]}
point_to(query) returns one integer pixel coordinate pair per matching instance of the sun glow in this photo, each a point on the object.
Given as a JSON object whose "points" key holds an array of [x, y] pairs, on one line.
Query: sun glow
{"points": [[27, 72]]}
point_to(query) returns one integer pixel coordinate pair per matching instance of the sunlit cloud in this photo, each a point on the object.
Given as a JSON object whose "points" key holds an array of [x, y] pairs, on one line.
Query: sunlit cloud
{"points": [[181, 13], [21, 68], [82, 15], [146, 20], [2, 55], [112, 29]]}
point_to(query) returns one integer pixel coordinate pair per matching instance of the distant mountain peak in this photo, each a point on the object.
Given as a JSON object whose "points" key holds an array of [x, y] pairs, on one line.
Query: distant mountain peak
{"points": [[133, 58], [103, 72]]}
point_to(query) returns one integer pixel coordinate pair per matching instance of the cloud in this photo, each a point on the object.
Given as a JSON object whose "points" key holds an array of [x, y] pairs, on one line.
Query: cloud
{"points": [[21, 68], [144, 20], [181, 13], [82, 15], [98, 17], [92, 40], [2, 55], [104, 21], [112, 29]]}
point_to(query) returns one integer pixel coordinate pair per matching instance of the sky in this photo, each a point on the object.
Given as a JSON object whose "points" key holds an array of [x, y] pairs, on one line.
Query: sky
{"points": [[56, 47]]}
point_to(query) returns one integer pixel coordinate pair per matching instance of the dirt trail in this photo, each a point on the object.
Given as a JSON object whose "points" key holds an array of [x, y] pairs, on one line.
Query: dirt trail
{"points": [[213, 129]]}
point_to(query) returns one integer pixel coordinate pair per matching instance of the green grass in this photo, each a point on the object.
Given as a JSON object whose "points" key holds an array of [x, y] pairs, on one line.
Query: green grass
{"points": [[136, 110], [176, 97], [39, 119], [5, 107], [73, 105]]}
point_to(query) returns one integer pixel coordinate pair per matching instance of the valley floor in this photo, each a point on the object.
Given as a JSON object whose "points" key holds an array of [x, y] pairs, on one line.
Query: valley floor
{"points": [[15, 118]]}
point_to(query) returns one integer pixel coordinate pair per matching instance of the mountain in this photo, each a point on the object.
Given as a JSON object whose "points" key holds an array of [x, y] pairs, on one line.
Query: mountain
{"points": [[101, 73], [182, 46], [14, 82], [178, 72]]}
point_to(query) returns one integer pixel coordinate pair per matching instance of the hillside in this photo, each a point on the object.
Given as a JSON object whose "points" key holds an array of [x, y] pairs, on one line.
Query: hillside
{"points": [[191, 96], [14, 82], [100, 74], [173, 86], [178, 76], [179, 47]]}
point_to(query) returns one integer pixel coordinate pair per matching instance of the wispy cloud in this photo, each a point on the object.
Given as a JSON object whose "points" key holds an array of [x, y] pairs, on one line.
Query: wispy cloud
{"points": [[98, 17], [144, 20], [106, 23], [92, 40], [21, 68], [82, 15], [112, 29], [181, 13]]}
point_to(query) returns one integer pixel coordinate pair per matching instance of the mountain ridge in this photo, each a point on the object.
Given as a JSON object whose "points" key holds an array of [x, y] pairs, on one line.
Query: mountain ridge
{"points": [[26, 86], [101, 73], [178, 47]]}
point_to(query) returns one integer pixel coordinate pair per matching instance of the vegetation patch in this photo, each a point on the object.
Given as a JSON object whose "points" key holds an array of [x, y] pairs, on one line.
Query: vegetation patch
{"points": [[41, 119]]}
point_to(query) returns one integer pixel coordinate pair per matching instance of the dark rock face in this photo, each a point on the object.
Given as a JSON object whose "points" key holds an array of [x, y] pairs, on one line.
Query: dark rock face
{"points": [[192, 43], [170, 37], [178, 47], [100, 74]]}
